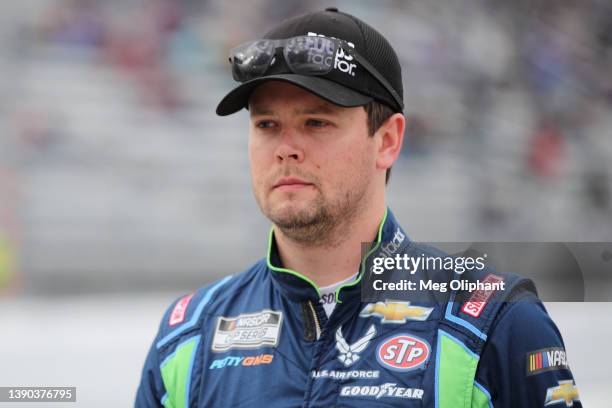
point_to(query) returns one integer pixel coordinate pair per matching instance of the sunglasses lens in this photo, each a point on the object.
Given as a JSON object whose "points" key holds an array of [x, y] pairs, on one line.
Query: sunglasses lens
{"points": [[251, 60], [310, 55]]}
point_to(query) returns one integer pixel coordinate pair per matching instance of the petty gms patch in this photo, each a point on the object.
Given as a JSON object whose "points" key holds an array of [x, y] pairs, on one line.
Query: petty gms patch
{"points": [[403, 352], [250, 361], [247, 331]]}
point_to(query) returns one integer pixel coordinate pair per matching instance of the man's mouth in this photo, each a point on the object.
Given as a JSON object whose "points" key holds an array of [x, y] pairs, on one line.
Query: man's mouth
{"points": [[291, 184]]}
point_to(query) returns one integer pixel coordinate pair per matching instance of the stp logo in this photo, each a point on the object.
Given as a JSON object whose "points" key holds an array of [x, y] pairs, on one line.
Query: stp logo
{"points": [[403, 352]]}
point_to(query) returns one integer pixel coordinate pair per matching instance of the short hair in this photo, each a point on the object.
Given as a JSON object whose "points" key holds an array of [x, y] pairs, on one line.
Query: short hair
{"points": [[378, 113]]}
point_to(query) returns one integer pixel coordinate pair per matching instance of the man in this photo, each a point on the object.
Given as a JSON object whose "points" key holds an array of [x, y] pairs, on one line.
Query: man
{"points": [[324, 93]]}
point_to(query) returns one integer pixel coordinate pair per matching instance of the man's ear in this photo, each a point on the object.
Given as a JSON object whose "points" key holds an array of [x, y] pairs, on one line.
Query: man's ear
{"points": [[389, 138]]}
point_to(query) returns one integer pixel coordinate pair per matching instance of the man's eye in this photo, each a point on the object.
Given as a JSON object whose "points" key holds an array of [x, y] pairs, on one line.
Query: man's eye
{"points": [[316, 123], [265, 124]]}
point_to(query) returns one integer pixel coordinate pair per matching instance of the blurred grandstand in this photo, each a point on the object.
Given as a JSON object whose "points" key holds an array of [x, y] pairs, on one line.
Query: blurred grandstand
{"points": [[116, 176], [115, 170]]}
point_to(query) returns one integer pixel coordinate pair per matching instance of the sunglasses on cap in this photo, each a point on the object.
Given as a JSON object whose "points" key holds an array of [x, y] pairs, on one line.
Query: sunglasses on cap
{"points": [[304, 55]]}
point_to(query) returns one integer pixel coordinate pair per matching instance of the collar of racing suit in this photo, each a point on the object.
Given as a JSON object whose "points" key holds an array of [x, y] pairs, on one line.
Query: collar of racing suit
{"points": [[298, 287]]}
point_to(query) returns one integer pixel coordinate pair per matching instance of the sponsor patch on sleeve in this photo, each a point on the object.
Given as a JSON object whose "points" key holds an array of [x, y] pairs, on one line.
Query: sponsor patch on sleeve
{"points": [[548, 359], [477, 302], [178, 313], [565, 393], [247, 331]]}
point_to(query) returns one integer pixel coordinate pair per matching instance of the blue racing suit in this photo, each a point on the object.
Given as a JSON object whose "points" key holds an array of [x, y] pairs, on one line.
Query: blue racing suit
{"points": [[262, 339]]}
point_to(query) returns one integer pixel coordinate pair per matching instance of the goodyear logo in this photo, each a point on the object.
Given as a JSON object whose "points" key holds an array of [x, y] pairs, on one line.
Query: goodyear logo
{"points": [[381, 391], [548, 359], [396, 312], [566, 392]]}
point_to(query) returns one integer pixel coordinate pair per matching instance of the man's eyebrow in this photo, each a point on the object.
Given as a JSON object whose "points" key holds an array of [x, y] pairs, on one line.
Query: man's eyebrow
{"points": [[313, 110], [259, 110]]}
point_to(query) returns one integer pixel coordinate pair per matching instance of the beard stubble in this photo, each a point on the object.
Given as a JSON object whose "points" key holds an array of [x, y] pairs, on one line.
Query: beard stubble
{"points": [[325, 221]]}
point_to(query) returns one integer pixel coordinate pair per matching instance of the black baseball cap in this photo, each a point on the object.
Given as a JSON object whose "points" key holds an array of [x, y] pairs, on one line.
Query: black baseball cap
{"points": [[347, 84]]}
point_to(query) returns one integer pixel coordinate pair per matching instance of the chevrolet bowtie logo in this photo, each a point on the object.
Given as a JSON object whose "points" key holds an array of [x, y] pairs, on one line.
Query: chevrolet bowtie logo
{"points": [[396, 312], [566, 392]]}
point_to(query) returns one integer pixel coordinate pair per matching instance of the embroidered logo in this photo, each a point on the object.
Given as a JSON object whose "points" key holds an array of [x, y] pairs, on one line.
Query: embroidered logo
{"points": [[349, 353]]}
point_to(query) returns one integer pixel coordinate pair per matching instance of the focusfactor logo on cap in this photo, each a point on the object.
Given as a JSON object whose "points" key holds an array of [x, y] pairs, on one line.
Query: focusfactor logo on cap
{"points": [[343, 62]]}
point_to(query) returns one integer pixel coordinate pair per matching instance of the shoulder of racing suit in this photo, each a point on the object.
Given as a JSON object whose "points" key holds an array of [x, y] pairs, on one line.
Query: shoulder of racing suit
{"points": [[166, 368], [186, 314], [520, 354]]}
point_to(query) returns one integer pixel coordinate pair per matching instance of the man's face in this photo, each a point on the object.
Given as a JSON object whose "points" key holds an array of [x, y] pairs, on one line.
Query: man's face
{"points": [[312, 162]]}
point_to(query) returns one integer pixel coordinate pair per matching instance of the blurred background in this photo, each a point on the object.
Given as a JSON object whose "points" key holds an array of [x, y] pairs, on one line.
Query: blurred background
{"points": [[120, 189]]}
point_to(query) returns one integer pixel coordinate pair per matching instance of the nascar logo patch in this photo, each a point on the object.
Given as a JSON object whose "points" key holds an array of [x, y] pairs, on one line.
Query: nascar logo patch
{"points": [[247, 331], [548, 359]]}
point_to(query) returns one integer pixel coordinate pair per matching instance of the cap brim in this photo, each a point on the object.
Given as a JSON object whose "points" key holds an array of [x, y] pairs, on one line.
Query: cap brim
{"points": [[333, 92]]}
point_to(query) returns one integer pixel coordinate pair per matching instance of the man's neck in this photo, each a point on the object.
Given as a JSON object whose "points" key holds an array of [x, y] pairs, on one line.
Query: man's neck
{"points": [[328, 264]]}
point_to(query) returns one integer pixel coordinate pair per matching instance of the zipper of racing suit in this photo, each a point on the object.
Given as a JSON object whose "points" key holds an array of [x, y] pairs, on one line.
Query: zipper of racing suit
{"points": [[312, 323], [313, 331], [316, 319]]}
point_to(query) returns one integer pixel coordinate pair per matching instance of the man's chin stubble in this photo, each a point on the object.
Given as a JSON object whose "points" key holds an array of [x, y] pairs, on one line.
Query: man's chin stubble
{"points": [[308, 227], [320, 224]]}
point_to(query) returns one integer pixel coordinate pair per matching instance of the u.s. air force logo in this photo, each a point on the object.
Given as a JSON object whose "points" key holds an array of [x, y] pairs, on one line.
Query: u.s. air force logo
{"points": [[349, 353], [247, 331]]}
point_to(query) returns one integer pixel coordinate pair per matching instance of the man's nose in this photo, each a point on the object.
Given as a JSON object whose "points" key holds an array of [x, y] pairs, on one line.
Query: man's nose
{"points": [[288, 148]]}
